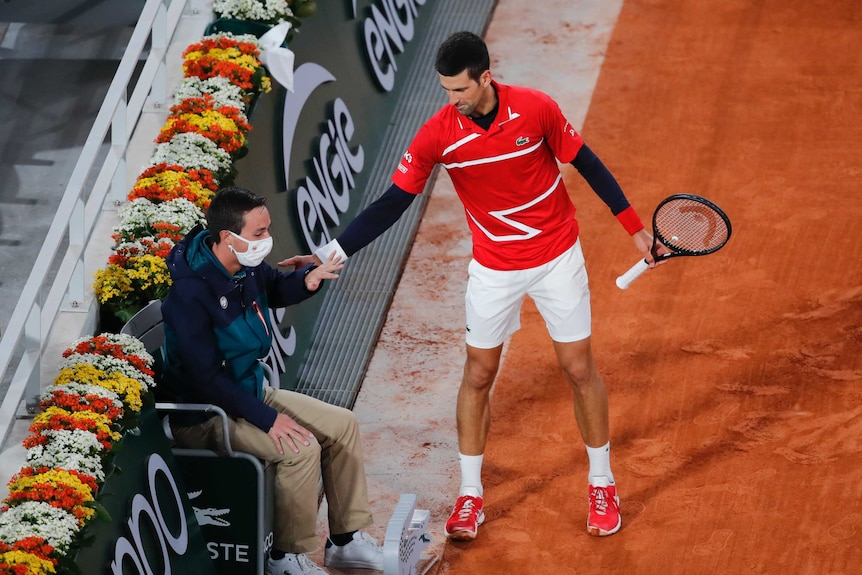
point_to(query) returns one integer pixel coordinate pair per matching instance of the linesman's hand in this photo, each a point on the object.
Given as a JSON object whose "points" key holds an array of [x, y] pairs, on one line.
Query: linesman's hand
{"points": [[286, 431], [325, 271], [299, 261]]}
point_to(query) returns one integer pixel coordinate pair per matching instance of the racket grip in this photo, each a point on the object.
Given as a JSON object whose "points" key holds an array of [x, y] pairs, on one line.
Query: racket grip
{"points": [[632, 274]]}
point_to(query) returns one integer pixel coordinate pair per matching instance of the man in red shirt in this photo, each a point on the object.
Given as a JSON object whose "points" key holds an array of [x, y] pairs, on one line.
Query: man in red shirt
{"points": [[500, 145]]}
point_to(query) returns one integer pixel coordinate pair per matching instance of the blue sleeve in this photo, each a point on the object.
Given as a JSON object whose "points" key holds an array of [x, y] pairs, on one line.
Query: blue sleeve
{"points": [[285, 288], [375, 219], [600, 180]]}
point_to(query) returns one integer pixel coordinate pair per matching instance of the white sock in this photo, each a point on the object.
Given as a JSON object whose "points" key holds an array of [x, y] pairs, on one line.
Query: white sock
{"points": [[600, 465], [471, 475]]}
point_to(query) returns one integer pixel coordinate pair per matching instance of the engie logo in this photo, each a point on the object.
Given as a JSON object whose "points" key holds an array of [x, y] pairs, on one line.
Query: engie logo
{"points": [[282, 345], [388, 28], [324, 194], [147, 520]]}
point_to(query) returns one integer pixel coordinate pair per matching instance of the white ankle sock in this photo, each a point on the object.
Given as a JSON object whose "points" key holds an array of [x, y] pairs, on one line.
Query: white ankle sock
{"points": [[600, 465], [471, 474]]}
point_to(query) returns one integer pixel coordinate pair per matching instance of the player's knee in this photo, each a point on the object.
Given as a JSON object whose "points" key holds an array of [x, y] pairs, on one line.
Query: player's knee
{"points": [[580, 373], [479, 377]]}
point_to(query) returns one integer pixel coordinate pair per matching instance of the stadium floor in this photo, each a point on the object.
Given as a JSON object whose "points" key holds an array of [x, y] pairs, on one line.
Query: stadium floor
{"points": [[734, 379]]}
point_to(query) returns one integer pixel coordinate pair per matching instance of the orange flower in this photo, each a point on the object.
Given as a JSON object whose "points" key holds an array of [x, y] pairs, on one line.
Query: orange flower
{"points": [[75, 402], [162, 182], [226, 126], [228, 58]]}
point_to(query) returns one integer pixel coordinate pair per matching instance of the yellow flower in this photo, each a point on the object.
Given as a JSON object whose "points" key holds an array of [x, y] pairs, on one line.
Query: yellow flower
{"points": [[209, 118], [196, 55], [247, 61], [35, 564], [53, 477], [103, 423], [112, 283], [127, 388], [149, 272]]}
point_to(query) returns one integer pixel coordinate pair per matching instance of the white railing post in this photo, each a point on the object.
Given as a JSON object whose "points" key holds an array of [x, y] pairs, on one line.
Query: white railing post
{"points": [[77, 240], [119, 143], [33, 335], [159, 46]]}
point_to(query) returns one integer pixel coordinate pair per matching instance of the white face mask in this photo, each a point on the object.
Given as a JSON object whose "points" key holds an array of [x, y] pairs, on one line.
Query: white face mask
{"points": [[255, 253]]}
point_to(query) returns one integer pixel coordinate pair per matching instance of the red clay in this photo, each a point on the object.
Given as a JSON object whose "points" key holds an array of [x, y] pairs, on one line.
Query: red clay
{"points": [[735, 379]]}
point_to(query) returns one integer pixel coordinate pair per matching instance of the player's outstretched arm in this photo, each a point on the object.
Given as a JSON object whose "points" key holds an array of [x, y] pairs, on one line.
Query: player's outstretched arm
{"points": [[369, 224]]}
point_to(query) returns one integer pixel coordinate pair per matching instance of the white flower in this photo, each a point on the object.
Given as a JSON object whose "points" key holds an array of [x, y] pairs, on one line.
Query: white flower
{"points": [[271, 11], [249, 38], [110, 364], [180, 212], [36, 518], [193, 151], [137, 219], [130, 344], [69, 449], [223, 91]]}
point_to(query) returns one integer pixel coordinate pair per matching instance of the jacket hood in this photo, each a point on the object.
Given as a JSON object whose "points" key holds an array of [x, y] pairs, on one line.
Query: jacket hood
{"points": [[193, 257]]}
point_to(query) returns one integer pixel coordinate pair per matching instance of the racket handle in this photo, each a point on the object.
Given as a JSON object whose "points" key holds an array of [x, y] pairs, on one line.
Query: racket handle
{"points": [[632, 274]]}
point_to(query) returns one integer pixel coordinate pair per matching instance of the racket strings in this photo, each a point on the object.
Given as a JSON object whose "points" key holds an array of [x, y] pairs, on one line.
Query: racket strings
{"points": [[686, 225]]}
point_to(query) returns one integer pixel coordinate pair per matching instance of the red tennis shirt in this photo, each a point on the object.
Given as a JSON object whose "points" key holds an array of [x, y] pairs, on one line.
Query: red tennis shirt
{"points": [[507, 177]]}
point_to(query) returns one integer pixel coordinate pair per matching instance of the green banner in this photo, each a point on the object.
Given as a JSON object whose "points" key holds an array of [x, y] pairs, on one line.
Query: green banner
{"points": [[152, 528], [233, 503]]}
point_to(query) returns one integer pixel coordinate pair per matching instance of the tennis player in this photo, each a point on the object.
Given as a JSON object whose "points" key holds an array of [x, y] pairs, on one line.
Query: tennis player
{"points": [[500, 144]]}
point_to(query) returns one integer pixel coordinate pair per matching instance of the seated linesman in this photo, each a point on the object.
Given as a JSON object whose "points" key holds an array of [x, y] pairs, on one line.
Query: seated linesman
{"points": [[217, 326]]}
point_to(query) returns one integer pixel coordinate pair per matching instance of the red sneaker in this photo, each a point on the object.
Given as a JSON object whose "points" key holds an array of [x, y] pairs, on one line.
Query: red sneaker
{"points": [[465, 519], [604, 518]]}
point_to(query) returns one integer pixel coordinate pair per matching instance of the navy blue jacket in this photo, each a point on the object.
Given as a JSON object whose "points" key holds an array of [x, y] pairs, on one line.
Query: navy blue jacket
{"points": [[217, 326]]}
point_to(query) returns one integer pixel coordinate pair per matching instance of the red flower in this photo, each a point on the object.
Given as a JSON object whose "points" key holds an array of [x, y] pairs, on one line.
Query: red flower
{"points": [[33, 545], [36, 546], [68, 422], [88, 402]]}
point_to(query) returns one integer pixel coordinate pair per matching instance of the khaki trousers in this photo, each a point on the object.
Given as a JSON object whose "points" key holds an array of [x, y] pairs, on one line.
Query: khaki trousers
{"points": [[336, 455]]}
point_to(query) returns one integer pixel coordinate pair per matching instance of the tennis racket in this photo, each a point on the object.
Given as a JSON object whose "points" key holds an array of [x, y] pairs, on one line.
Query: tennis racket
{"points": [[687, 225]]}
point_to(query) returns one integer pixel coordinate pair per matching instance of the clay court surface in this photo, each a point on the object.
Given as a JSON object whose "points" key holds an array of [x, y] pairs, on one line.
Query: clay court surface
{"points": [[735, 380]]}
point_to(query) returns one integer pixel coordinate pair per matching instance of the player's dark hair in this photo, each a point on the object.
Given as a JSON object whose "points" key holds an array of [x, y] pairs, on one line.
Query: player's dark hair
{"points": [[228, 208], [463, 51]]}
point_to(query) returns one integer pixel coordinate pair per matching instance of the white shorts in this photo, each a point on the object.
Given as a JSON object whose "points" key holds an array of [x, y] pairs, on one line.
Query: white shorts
{"points": [[559, 288]]}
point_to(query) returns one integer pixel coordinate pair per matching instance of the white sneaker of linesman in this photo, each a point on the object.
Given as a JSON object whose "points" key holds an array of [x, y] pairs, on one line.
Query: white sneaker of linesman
{"points": [[293, 564], [361, 553]]}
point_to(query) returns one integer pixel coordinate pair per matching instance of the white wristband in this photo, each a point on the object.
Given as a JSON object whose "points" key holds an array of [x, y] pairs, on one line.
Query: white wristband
{"points": [[333, 247]]}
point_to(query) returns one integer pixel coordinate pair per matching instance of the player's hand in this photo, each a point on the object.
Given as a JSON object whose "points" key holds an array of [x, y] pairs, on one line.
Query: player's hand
{"points": [[644, 243], [300, 261], [325, 271], [286, 431]]}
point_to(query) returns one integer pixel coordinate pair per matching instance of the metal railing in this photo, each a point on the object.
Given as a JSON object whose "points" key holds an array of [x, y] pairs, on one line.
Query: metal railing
{"points": [[59, 269]]}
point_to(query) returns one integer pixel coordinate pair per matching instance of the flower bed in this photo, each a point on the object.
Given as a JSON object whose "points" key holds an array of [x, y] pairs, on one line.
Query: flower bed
{"points": [[95, 398], [203, 135], [104, 380]]}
